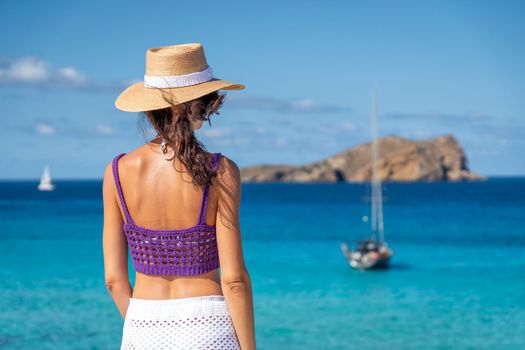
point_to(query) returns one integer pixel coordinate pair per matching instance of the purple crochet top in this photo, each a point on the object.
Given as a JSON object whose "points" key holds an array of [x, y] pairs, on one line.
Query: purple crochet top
{"points": [[184, 252]]}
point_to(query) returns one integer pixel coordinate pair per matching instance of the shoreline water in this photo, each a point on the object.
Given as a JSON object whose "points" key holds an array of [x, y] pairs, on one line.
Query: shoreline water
{"points": [[456, 280]]}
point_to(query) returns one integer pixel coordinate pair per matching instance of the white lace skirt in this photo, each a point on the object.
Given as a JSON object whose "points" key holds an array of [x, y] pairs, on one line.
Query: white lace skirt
{"points": [[202, 322]]}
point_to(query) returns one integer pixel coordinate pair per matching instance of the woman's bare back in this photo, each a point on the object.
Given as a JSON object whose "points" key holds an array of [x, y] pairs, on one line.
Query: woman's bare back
{"points": [[159, 197]]}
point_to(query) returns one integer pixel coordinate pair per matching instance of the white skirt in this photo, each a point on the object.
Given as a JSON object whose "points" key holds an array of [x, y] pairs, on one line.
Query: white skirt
{"points": [[202, 322]]}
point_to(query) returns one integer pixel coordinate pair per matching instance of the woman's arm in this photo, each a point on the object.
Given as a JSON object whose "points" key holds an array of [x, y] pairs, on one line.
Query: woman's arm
{"points": [[235, 280], [115, 246]]}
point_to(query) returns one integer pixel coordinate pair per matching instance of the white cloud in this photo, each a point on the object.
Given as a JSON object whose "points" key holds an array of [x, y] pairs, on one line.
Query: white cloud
{"points": [[66, 129], [241, 141], [44, 129], [216, 132], [348, 126], [104, 130], [231, 141], [72, 74], [305, 105], [281, 141], [26, 69], [32, 70], [261, 130], [38, 73]]}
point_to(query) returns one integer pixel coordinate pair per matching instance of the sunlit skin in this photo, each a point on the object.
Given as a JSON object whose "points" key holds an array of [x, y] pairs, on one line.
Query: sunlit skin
{"points": [[159, 287], [158, 197]]}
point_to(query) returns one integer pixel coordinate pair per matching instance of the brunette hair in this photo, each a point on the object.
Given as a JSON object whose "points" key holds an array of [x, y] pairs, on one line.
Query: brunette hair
{"points": [[173, 125]]}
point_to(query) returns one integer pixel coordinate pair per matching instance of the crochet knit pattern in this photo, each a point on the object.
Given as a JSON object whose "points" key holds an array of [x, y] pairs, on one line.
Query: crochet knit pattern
{"points": [[195, 323]]}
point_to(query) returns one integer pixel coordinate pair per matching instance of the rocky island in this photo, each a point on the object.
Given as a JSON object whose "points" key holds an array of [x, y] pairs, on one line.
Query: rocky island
{"points": [[400, 159]]}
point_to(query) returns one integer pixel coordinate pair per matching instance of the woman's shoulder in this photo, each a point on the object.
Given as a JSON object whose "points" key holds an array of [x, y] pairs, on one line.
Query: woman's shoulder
{"points": [[126, 160], [138, 154], [227, 164], [228, 172]]}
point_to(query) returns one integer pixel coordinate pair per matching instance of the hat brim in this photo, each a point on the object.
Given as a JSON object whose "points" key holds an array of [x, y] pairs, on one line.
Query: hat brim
{"points": [[138, 98]]}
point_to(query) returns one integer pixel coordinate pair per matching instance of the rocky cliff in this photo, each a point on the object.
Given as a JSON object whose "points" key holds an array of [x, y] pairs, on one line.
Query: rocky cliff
{"points": [[399, 159]]}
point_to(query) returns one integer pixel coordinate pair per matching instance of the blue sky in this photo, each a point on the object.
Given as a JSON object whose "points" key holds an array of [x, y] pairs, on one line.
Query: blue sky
{"points": [[309, 68]]}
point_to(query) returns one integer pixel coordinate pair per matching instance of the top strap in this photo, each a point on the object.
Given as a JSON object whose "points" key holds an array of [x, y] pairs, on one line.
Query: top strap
{"points": [[204, 204], [119, 189]]}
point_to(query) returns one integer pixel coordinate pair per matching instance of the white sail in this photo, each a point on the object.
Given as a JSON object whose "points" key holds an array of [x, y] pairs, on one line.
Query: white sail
{"points": [[45, 181]]}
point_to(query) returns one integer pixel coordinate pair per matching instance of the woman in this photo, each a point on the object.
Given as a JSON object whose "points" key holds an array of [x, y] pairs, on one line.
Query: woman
{"points": [[176, 207]]}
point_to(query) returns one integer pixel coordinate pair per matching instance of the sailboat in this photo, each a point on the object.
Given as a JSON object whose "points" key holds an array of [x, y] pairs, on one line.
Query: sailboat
{"points": [[45, 181], [372, 252]]}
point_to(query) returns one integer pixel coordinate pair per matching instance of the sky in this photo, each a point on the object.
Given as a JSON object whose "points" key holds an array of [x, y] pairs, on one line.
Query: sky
{"points": [[439, 67]]}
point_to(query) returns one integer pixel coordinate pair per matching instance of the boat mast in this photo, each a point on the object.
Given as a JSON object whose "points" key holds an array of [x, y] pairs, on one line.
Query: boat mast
{"points": [[377, 196], [373, 181]]}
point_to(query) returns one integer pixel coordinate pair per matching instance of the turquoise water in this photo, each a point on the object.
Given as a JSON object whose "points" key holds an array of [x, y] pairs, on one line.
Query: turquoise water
{"points": [[457, 280]]}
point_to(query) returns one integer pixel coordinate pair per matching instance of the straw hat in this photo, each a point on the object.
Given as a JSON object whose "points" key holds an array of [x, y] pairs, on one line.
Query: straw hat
{"points": [[178, 72]]}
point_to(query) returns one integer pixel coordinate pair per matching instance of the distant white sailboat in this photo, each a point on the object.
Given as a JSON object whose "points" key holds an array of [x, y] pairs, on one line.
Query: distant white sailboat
{"points": [[45, 181], [374, 251]]}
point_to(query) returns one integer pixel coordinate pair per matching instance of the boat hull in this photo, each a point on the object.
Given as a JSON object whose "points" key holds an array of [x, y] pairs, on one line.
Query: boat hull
{"points": [[364, 260], [46, 187], [382, 263]]}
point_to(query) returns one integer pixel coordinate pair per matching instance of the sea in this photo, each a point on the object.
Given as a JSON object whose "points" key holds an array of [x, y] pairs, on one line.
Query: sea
{"points": [[457, 278]]}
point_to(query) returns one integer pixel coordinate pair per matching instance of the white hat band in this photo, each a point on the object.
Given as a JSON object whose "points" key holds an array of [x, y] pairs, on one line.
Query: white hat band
{"points": [[175, 81]]}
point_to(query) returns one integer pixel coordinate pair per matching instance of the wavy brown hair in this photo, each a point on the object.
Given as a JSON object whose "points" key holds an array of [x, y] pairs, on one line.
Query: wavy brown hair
{"points": [[173, 124]]}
